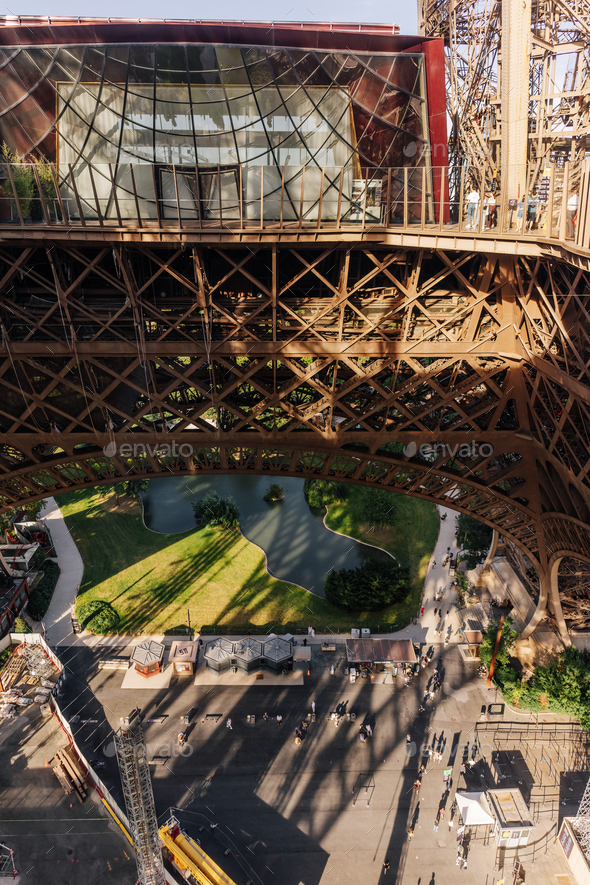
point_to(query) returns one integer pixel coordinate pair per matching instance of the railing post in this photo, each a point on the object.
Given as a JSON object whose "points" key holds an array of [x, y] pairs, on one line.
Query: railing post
{"points": [[423, 204], [388, 204], [177, 197], [76, 196], [301, 200], [16, 199], [549, 216], [155, 183], [261, 197], [58, 194], [219, 194], [282, 196], [564, 199], [98, 212], [321, 198], [139, 224], [339, 209], [198, 190], [41, 194], [405, 197], [461, 194], [441, 209], [114, 193]]}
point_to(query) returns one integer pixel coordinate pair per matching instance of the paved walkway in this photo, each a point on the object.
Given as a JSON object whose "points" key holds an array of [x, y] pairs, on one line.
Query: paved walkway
{"points": [[57, 621]]}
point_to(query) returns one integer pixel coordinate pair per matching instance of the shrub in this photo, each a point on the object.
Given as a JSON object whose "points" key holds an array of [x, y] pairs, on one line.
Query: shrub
{"points": [[41, 596], [321, 492], [98, 616], [374, 584], [20, 626], [274, 492], [214, 510]]}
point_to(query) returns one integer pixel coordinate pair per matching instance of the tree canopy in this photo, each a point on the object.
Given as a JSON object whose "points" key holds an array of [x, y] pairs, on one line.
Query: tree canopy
{"points": [[373, 585], [474, 538], [321, 492], [213, 510]]}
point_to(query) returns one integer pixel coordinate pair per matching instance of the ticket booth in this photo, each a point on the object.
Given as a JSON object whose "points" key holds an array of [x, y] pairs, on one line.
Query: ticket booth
{"points": [[148, 657], [512, 819], [183, 656]]}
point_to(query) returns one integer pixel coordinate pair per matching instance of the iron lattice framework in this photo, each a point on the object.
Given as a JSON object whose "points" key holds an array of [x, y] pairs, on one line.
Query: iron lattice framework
{"points": [[142, 360], [139, 801], [557, 48], [581, 823]]}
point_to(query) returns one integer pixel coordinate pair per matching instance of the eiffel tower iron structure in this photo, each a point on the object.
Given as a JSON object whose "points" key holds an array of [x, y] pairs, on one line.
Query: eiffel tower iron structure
{"points": [[189, 313]]}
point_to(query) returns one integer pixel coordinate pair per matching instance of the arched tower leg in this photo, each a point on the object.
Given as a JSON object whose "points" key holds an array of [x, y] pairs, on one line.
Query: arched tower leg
{"points": [[549, 599]]}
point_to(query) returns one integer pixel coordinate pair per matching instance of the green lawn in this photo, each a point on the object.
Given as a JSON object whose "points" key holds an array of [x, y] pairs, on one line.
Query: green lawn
{"points": [[411, 540], [152, 579]]}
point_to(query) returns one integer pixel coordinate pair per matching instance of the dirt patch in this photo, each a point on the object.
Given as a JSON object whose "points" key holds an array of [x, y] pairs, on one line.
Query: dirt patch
{"points": [[377, 537], [125, 505]]}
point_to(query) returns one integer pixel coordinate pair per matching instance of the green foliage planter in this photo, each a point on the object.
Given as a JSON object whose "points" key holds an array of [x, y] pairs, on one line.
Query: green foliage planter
{"points": [[98, 616], [20, 626], [41, 596], [322, 492], [213, 510], [274, 492], [373, 585]]}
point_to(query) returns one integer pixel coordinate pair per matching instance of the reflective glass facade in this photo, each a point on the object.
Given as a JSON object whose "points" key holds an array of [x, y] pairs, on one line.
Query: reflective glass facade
{"points": [[207, 126]]}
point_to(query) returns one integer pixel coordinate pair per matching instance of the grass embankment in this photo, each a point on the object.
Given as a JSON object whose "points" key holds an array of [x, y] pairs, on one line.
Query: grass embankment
{"points": [[152, 579], [411, 540]]}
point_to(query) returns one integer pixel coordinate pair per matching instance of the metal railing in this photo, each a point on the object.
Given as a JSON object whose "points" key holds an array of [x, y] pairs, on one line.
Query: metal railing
{"points": [[293, 198]]}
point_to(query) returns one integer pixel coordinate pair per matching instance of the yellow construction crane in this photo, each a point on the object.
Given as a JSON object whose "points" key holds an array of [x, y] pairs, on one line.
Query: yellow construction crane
{"points": [[188, 855]]}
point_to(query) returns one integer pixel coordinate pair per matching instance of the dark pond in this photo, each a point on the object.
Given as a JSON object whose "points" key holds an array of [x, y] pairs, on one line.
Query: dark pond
{"points": [[298, 546]]}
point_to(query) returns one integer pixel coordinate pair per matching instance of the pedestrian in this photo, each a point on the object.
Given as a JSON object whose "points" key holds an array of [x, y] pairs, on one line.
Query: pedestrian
{"points": [[462, 768], [441, 812], [472, 208], [410, 833], [421, 770], [435, 828], [309, 631], [369, 730], [279, 719], [265, 717], [431, 693], [447, 614], [571, 215], [386, 866], [425, 695], [212, 827], [464, 864], [228, 724], [313, 707], [440, 612], [408, 739], [417, 784], [450, 824], [422, 610], [435, 610], [434, 562]]}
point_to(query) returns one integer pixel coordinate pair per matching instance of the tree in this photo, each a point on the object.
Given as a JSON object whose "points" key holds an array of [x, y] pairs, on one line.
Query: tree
{"points": [[373, 585], [378, 508], [474, 538], [507, 640], [134, 487], [322, 492], [274, 492], [213, 510], [30, 514]]}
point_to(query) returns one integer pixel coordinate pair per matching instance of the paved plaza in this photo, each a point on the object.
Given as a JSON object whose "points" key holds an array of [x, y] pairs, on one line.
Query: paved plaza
{"points": [[332, 809]]}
